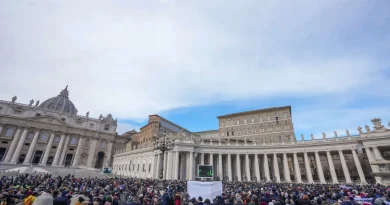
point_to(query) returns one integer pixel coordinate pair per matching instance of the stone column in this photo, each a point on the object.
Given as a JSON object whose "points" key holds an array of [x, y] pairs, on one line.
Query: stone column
{"points": [[176, 166], [165, 165], [107, 159], [15, 141], [377, 153], [191, 164], [298, 177], [201, 158], [31, 149], [374, 168], [276, 168], [320, 171], [1, 128], [18, 149], [345, 167], [211, 160], [47, 151], [220, 169], [183, 166], [309, 175], [238, 167], [91, 152], [359, 167], [169, 166], [286, 169], [230, 167], [58, 152], [247, 168], [266, 168], [331, 168], [157, 169], [257, 169], [64, 149], [80, 146]]}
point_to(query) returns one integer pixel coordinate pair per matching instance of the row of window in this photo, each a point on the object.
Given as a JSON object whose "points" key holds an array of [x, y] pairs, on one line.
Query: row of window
{"points": [[254, 130], [252, 120], [44, 136]]}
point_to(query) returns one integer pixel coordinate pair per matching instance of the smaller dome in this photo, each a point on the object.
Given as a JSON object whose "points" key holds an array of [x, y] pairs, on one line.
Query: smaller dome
{"points": [[61, 103]]}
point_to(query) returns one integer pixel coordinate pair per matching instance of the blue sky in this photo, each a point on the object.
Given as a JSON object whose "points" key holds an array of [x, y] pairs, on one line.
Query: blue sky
{"points": [[192, 61]]}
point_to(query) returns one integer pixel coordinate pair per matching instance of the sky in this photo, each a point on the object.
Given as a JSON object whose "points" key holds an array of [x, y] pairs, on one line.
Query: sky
{"points": [[190, 61]]}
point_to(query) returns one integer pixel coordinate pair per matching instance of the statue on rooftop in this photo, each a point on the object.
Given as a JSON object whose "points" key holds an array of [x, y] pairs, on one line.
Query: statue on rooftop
{"points": [[335, 133], [302, 137], [368, 129], [360, 130], [31, 102], [87, 114], [14, 99], [323, 135], [37, 103], [100, 117], [347, 131], [312, 136]]}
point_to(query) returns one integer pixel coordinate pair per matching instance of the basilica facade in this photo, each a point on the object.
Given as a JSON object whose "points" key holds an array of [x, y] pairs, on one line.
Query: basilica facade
{"points": [[52, 133], [258, 145]]}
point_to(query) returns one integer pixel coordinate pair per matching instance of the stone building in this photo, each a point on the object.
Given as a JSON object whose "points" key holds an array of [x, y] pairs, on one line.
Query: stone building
{"points": [[52, 134], [259, 145]]}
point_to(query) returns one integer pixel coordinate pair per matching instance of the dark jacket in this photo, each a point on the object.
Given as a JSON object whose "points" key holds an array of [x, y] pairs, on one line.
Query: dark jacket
{"points": [[62, 200]]}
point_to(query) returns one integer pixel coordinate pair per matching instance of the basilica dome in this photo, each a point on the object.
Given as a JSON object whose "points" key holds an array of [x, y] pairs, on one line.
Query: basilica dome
{"points": [[60, 103]]}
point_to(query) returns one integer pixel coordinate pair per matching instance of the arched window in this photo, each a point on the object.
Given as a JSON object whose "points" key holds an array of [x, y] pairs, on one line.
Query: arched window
{"points": [[44, 137], [73, 141], [30, 135], [9, 132], [57, 139], [103, 144]]}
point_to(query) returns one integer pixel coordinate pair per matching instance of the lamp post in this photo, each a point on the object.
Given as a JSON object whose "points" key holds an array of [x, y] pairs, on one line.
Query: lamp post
{"points": [[162, 145]]}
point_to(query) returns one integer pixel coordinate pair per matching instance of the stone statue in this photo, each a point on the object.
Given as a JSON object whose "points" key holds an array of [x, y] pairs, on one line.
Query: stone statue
{"points": [[100, 117], [378, 127], [368, 129], [87, 114], [245, 140], [347, 131], [302, 137], [360, 130], [312, 136], [14, 99], [31, 102], [272, 139], [37, 103], [335, 133], [323, 135]]}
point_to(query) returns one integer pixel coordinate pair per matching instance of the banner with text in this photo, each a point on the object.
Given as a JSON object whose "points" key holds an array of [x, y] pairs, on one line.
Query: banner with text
{"points": [[207, 190], [363, 200]]}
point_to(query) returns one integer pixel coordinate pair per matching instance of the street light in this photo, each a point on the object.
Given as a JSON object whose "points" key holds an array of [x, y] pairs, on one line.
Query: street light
{"points": [[163, 146]]}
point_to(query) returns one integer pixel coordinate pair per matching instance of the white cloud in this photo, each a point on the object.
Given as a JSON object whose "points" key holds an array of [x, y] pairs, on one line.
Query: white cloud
{"points": [[124, 127], [135, 59], [318, 121]]}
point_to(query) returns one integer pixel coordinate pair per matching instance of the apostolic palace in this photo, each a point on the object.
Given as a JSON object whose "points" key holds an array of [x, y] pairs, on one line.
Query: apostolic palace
{"points": [[258, 145]]}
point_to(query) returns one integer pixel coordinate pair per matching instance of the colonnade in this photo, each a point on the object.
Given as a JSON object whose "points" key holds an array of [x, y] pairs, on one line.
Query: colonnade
{"points": [[258, 167], [61, 148]]}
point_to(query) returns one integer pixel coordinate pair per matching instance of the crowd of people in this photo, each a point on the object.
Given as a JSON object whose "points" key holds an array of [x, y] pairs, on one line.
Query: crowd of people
{"points": [[45, 189]]}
